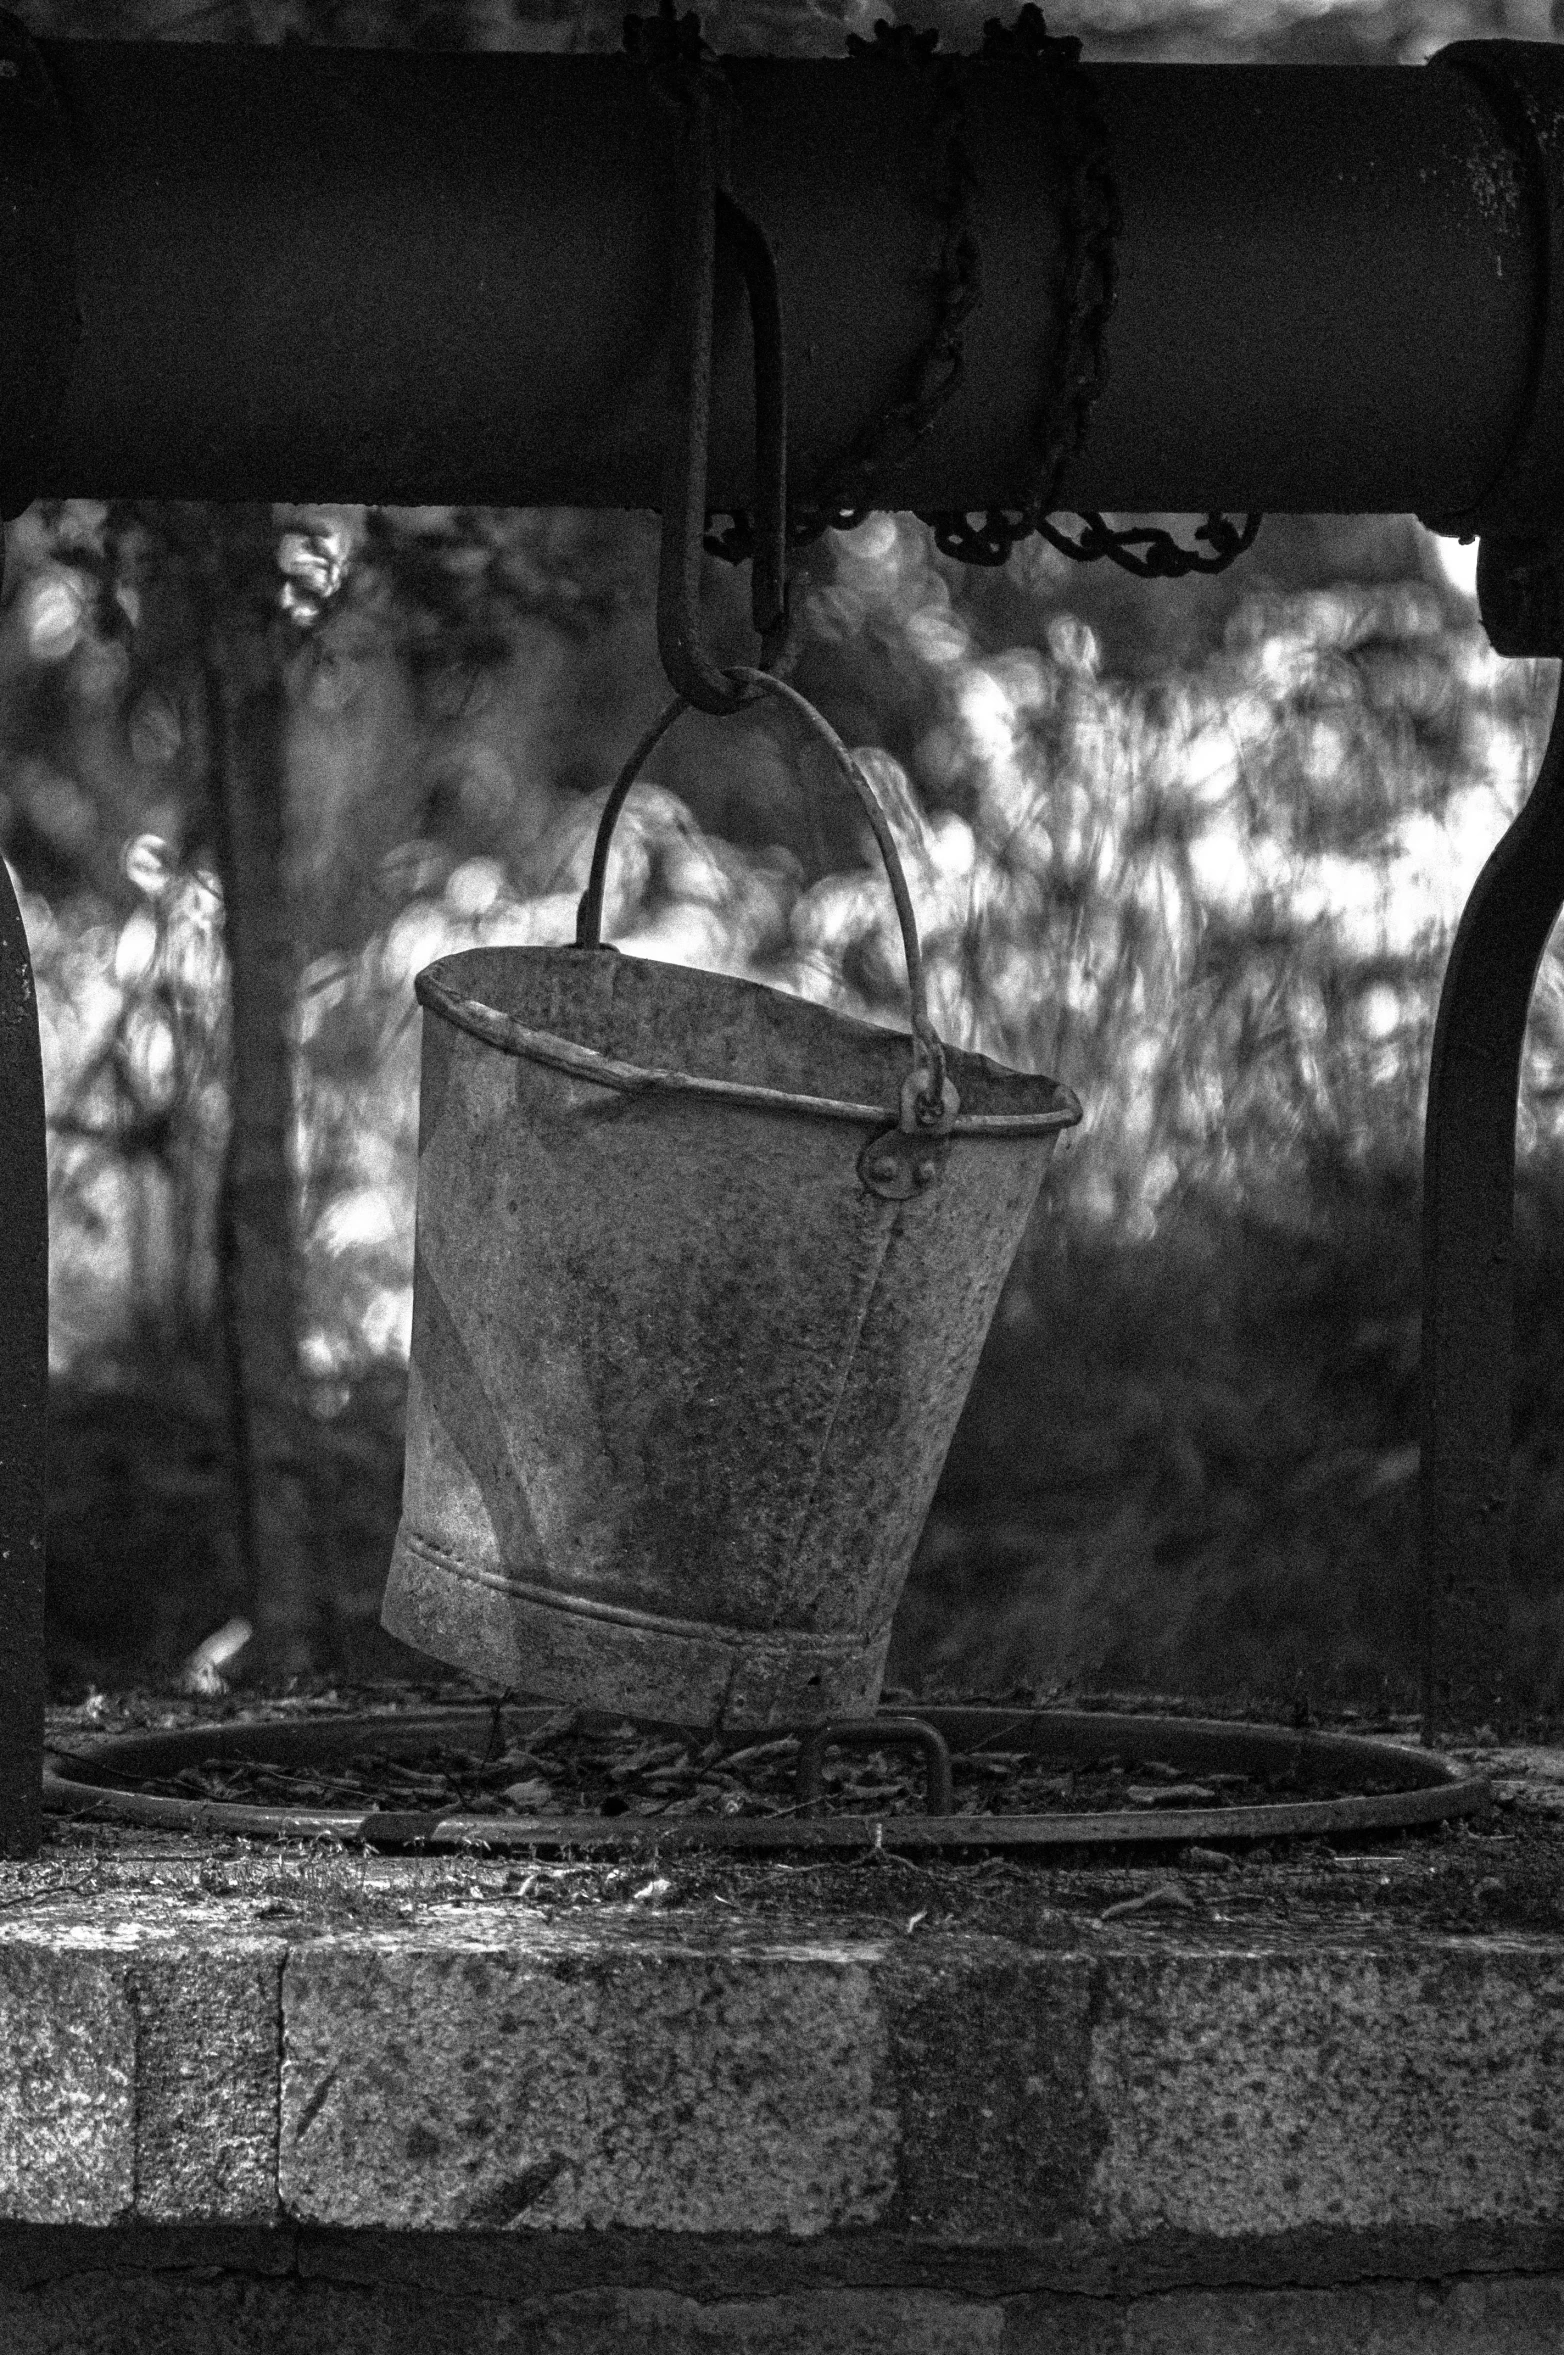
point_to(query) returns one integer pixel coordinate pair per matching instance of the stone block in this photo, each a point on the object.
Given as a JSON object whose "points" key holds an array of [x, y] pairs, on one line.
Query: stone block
{"points": [[67, 2084], [989, 2066], [1152, 2097], [648, 2085], [206, 2112], [138, 2072], [1251, 2095]]}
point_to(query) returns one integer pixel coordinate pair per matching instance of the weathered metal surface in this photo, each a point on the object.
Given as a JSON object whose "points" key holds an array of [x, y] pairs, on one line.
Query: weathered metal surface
{"points": [[681, 1387], [88, 1779], [1523, 83], [721, 1525], [24, 1377], [415, 277]]}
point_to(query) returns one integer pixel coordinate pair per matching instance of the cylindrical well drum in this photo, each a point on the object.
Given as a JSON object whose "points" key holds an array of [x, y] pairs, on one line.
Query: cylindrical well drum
{"points": [[682, 1379]]}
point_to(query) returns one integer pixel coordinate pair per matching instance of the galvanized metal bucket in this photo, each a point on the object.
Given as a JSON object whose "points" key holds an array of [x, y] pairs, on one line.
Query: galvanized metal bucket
{"points": [[703, 1272]]}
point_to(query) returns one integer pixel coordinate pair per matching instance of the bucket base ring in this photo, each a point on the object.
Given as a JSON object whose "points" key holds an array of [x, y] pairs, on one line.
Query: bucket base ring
{"points": [[534, 1639]]}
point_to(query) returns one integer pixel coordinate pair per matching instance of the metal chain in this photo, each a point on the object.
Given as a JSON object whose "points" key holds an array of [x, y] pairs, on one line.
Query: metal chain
{"points": [[671, 49], [1090, 278], [939, 370], [1089, 285], [1164, 559], [936, 374]]}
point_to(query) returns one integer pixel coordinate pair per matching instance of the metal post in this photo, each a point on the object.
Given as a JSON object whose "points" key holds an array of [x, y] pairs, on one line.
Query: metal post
{"points": [[36, 350], [24, 1376], [1474, 1071], [1469, 1209]]}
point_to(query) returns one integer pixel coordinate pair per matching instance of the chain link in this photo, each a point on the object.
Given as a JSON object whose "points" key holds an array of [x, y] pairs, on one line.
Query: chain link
{"points": [[1164, 559], [673, 53], [844, 500]]}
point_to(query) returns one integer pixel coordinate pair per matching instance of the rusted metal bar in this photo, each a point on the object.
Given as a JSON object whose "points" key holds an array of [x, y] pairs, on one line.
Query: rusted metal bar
{"points": [[96, 1778], [317, 274], [877, 1733]]}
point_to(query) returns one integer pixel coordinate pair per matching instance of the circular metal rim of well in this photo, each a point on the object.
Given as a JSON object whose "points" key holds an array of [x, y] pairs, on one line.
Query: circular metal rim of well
{"points": [[1430, 1789]]}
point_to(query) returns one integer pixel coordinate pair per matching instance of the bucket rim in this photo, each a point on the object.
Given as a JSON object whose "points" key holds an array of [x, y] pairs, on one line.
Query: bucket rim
{"points": [[502, 1031]]}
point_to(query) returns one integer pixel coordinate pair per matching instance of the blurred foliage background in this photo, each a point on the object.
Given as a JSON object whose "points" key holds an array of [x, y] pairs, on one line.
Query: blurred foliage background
{"points": [[1197, 848]]}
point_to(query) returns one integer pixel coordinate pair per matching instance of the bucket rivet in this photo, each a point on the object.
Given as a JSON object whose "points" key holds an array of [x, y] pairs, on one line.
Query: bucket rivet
{"points": [[885, 1169], [924, 1174]]}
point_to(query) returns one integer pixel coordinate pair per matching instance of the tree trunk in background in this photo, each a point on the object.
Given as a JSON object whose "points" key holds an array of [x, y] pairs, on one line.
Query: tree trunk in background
{"points": [[234, 582]]}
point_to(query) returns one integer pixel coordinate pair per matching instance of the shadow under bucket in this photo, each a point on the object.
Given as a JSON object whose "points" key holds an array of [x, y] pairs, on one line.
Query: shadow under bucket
{"points": [[696, 1307]]}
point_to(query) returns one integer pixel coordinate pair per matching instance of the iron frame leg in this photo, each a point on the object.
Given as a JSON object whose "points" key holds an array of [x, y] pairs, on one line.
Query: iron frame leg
{"points": [[1469, 1195], [24, 1386]]}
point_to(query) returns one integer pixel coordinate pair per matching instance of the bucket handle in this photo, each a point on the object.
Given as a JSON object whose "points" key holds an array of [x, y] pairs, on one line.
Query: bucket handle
{"points": [[929, 1102]]}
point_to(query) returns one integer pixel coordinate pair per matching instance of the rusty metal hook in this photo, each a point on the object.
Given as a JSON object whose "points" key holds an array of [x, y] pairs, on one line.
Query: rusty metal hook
{"points": [[703, 214], [768, 565]]}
